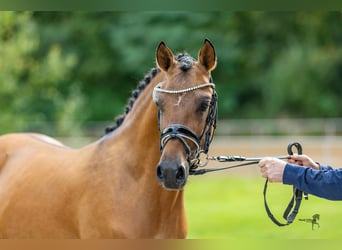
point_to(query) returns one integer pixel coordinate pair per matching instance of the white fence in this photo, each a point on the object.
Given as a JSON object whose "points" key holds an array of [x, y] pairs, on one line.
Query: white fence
{"points": [[321, 138], [284, 126], [225, 127]]}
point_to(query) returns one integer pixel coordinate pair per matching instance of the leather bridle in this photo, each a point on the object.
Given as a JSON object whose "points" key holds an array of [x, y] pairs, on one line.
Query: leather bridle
{"points": [[184, 134]]}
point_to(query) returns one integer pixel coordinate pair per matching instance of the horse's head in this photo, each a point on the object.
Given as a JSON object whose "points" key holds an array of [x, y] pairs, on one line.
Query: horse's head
{"points": [[315, 217], [186, 101]]}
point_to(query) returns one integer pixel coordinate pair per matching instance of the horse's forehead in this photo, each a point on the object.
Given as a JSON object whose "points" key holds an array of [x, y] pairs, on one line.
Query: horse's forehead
{"points": [[187, 78]]}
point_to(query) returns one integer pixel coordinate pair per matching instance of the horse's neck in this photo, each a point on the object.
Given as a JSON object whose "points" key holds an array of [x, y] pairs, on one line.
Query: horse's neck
{"points": [[131, 154], [138, 136]]}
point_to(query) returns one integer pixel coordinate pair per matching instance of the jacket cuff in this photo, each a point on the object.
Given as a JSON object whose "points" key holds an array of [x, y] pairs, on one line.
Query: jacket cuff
{"points": [[292, 174]]}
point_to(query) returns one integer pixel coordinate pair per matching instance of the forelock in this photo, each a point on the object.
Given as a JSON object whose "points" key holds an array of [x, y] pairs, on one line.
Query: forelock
{"points": [[185, 61]]}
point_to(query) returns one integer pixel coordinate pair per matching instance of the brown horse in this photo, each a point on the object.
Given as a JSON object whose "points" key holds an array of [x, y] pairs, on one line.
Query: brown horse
{"points": [[129, 183]]}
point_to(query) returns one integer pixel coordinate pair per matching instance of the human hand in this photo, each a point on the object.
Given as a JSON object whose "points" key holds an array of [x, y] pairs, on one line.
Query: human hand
{"points": [[303, 160], [272, 168]]}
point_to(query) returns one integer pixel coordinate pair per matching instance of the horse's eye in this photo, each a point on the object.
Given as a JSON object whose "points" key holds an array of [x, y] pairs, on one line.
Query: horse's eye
{"points": [[203, 106]]}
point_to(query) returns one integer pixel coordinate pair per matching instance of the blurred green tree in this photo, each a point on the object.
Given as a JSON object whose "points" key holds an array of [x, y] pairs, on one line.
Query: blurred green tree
{"points": [[68, 68], [30, 90]]}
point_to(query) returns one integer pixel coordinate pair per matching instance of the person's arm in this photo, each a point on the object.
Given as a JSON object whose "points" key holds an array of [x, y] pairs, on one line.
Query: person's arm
{"points": [[324, 167], [325, 183]]}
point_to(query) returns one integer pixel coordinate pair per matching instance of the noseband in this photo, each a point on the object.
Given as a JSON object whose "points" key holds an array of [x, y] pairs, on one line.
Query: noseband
{"points": [[185, 134]]}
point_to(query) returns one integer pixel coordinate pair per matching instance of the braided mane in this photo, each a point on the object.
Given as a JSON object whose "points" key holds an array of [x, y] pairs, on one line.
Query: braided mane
{"points": [[135, 94], [186, 62]]}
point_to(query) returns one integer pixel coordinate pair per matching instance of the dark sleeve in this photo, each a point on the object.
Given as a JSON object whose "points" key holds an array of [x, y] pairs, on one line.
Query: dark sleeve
{"points": [[325, 183], [322, 167]]}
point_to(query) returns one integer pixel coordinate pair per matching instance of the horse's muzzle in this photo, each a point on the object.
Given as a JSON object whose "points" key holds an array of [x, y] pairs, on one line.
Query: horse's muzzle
{"points": [[172, 175]]}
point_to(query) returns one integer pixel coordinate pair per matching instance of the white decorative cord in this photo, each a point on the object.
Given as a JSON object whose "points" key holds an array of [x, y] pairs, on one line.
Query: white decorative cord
{"points": [[158, 88]]}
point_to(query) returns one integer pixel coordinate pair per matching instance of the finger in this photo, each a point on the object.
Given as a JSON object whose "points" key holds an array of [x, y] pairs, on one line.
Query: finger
{"points": [[290, 158], [261, 163], [298, 157], [263, 170]]}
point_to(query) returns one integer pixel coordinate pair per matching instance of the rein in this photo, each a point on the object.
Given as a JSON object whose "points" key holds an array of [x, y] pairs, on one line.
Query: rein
{"points": [[296, 199], [250, 161]]}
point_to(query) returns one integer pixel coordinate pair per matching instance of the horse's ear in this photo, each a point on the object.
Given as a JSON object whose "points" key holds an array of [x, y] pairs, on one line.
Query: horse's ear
{"points": [[164, 56], [207, 55]]}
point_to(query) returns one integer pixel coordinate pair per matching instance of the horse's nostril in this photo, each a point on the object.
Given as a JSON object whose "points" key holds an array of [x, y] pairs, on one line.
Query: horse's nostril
{"points": [[160, 174], [171, 175], [180, 175]]}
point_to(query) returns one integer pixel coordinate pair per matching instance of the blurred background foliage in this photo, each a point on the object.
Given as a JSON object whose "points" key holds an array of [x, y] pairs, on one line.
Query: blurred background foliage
{"points": [[68, 69]]}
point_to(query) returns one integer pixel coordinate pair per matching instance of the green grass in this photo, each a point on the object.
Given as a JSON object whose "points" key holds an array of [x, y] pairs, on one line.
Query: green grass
{"points": [[230, 207]]}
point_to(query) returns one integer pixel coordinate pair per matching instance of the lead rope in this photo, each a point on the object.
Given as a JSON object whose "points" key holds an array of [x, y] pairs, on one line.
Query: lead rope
{"points": [[297, 197]]}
